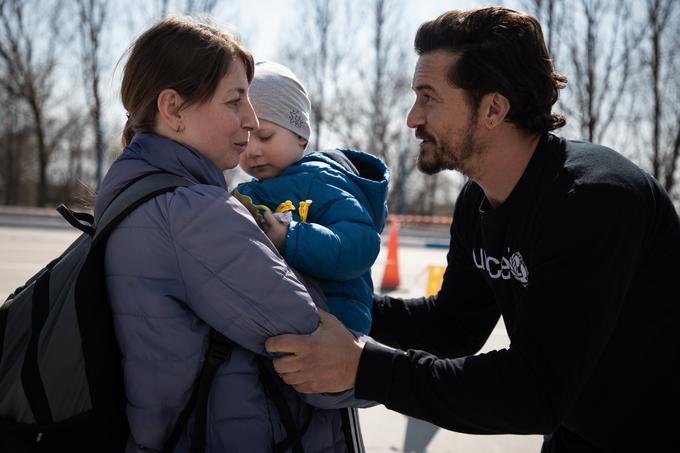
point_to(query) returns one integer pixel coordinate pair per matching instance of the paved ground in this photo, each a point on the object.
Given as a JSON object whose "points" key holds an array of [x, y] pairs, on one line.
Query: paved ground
{"points": [[23, 251]]}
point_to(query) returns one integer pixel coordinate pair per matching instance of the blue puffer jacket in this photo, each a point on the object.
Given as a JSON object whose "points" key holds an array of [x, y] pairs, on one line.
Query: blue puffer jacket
{"points": [[340, 240], [193, 259]]}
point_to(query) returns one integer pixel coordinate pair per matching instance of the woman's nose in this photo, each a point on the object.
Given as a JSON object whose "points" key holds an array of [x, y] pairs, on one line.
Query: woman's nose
{"points": [[249, 120]]}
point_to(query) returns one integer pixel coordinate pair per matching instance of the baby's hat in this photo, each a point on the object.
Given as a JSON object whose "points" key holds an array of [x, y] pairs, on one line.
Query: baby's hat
{"points": [[279, 97]]}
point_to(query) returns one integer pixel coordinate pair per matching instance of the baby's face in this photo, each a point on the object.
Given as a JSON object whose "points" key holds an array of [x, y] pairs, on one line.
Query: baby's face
{"points": [[271, 149]]}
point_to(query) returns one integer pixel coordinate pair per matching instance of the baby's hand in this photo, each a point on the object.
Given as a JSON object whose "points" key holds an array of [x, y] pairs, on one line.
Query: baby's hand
{"points": [[276, 230]]}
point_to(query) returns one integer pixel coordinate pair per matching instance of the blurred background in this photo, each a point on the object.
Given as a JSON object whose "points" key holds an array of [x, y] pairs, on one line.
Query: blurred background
{"points": [[61, 61], [61, 119]]}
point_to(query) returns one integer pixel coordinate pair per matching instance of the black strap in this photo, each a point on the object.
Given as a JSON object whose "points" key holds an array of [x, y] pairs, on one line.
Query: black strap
{"points": [[76, 219], [293, 435], [34, 389], [3, 328], [219, 351], [142, 190]]}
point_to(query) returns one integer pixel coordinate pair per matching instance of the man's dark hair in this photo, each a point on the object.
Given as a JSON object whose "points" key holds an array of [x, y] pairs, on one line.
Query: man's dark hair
{"points": [[500, 50]]}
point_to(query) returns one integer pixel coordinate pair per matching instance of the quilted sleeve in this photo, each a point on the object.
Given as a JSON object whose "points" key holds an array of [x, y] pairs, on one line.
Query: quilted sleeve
{"points": [[235, 279]]}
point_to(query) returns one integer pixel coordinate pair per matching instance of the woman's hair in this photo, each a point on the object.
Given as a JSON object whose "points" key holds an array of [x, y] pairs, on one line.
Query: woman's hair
{"points": [[499, 50], [180, 53]]}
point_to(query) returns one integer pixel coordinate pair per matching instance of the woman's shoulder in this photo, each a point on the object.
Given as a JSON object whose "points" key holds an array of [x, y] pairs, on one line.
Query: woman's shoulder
{"points": [[207, 206]]}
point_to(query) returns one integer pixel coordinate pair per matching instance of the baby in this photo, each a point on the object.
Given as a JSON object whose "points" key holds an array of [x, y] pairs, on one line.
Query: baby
{"points": [[331, 205]]}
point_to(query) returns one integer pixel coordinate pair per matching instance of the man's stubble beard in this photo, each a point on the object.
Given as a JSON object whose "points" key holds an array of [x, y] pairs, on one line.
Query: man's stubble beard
{"points": [[445, 156]]}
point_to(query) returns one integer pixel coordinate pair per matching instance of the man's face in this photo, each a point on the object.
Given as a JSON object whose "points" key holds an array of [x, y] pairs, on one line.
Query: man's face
{"points": [[443, 118]]}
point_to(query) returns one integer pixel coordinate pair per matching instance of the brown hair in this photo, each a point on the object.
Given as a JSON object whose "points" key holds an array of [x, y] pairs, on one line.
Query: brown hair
{"points": [[180, 53], [500, 50]]}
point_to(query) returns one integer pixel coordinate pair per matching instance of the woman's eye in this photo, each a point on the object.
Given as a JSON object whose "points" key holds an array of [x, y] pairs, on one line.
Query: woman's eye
{"points": [[233, 101]]}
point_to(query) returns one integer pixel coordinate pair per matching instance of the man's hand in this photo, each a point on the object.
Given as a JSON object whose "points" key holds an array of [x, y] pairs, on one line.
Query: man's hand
{"points": [[324, 361], [275, 230]]}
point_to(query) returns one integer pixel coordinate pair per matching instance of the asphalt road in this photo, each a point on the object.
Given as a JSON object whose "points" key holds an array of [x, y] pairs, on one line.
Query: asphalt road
{"points": [[24, 250]]}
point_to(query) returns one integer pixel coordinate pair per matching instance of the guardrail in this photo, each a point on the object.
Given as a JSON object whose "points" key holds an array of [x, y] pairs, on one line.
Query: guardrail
{"points": [[28, 217]]}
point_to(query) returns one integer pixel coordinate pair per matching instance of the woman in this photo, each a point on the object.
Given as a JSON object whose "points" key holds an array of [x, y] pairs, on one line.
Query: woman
{"points": [[194, 259]]}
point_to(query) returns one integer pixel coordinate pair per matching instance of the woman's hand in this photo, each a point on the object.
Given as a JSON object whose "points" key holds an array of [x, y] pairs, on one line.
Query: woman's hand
{"points": [[275, 230]]}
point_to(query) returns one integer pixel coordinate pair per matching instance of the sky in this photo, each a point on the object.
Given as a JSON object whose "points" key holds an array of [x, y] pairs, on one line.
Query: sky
{"points": [[261, 24]]}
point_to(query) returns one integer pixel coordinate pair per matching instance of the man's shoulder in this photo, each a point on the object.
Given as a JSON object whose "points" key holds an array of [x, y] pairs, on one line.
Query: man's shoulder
{"points": [[595, 166]]}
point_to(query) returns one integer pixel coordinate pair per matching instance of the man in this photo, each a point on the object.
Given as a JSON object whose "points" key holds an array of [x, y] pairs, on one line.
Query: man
{"points": [[576, 248]]}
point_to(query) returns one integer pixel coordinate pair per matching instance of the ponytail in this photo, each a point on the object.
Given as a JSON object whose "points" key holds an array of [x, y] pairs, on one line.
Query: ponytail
{"points": [[128, 131]]}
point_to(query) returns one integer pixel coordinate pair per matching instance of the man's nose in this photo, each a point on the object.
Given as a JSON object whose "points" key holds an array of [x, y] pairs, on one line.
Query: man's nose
{"points": [[415, 117]]}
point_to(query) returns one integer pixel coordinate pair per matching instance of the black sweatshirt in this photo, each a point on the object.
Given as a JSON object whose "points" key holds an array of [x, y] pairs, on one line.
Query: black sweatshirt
{"points": [[582, 260]]}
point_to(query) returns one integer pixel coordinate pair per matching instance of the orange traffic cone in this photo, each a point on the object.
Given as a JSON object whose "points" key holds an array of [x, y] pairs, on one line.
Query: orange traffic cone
{"points": [[390, 279]]}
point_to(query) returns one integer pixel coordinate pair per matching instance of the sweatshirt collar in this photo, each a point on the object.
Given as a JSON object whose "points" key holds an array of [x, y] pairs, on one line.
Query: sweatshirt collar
{"points": [[525, 187]]}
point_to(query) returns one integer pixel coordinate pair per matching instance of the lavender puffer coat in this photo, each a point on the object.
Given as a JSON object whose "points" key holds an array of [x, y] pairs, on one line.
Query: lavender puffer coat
{"points": [[193, 259]]}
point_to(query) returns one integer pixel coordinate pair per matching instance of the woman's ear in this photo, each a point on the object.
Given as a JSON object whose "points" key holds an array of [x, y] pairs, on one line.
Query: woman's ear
{"points": [[169, 104], [494, 108]]}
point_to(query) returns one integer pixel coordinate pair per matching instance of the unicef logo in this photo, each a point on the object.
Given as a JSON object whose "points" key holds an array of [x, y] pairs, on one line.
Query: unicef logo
{"points": [[518, 268], [503, 268]]}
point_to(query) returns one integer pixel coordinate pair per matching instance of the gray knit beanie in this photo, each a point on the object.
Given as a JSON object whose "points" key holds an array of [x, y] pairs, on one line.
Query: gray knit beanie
{"points": [[279, 97]]}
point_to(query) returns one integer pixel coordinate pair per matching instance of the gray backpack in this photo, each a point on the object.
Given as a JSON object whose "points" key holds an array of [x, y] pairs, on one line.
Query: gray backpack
{"points": [[61, 386]]}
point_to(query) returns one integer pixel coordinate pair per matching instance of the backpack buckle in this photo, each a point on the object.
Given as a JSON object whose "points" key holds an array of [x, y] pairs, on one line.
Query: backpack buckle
{"points": [[220, 348]]}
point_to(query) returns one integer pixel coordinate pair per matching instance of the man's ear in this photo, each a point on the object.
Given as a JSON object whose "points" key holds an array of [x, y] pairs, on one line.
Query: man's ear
{"points": [[493, 109], [169, 104]]}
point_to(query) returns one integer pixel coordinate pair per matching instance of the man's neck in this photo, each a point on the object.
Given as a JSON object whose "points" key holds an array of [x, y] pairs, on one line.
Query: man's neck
{"points": [[507, 155]]}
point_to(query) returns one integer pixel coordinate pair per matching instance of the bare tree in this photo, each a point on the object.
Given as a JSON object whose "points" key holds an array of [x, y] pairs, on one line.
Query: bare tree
{"points": [[92, 16], [661, 60], [550, 14], [317, 55], [28, 60], [187, 6], [360, 95], [388, 95], [15, 136], [68, 173], [600, 65]]}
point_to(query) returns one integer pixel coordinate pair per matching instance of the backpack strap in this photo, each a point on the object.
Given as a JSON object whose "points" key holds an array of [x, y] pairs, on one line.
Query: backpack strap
{"points": [[219, 350], [273, 391], [142, 190]]}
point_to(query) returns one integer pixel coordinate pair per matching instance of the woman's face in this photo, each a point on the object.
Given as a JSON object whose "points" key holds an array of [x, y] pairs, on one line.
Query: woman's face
{"points": [[219, 128]]}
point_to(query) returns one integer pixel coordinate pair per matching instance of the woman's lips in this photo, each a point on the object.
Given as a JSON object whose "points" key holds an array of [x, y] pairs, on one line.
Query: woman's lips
{"points": [[241, 146]]}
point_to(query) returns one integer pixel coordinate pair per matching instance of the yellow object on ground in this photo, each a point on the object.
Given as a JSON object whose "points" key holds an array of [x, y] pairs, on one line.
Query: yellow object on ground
{"points": [[435, 276]]}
